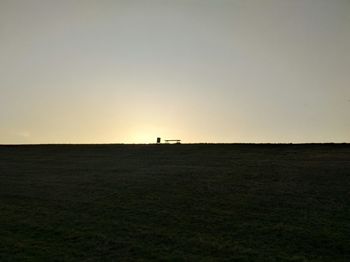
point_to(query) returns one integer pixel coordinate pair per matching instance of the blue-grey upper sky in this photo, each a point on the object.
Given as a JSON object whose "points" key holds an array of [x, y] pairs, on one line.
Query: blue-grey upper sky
{"points": [[104, 71]]}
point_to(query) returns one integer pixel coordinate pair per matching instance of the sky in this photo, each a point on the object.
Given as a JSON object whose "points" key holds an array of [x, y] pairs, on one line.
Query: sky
{"points": [[128, 71]]}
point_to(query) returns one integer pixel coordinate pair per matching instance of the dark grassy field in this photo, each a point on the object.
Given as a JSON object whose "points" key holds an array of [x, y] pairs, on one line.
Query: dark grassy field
{"points": [[175, 203]]}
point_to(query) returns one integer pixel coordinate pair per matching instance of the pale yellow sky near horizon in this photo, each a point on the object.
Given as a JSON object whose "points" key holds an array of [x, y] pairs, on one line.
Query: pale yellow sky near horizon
{"points": [[103, 71]]}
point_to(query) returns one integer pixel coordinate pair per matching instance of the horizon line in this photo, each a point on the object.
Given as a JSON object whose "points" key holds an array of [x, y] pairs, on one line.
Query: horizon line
{"points": [[194, 143]]}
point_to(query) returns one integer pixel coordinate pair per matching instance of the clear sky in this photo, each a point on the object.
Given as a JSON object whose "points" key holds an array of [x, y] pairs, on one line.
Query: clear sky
{"points": [[109, 71]]}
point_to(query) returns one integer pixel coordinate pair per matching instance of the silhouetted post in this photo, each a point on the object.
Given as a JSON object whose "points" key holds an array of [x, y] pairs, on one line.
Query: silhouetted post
{"points": [[158, 140]]}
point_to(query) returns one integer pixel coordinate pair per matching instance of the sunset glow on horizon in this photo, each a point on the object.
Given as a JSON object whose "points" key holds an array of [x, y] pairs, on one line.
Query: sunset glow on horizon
{"points": [[89, 71]]}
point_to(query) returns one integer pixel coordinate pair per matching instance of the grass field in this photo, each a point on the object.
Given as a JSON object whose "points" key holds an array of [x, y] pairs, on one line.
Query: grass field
{"points": [[175, 202]]}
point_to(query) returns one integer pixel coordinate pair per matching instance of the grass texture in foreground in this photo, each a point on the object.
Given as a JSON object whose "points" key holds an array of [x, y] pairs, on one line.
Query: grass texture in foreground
{"points": [[175, 203]]}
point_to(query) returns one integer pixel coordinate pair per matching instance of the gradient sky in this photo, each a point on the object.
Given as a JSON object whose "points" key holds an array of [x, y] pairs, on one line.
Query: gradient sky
{"points": [[104, 71]]}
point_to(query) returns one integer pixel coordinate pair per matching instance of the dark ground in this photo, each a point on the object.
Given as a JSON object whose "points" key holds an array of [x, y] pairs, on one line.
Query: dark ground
{"points": [[175, 203]]}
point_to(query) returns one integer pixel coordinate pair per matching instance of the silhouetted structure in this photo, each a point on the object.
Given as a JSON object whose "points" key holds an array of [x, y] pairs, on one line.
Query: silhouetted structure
{"points": [[158, 140]]}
